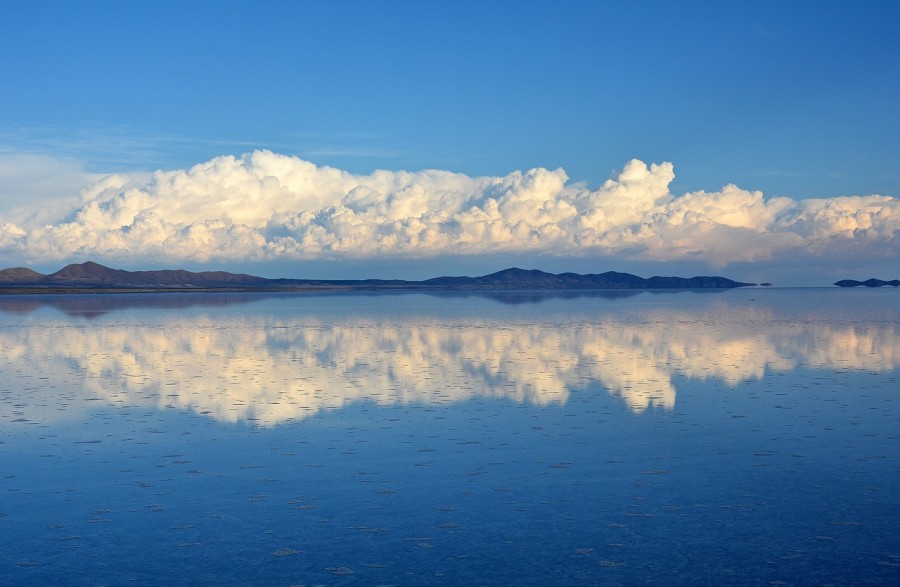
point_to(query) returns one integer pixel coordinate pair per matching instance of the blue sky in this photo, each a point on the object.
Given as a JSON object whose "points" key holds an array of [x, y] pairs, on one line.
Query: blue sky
{"points": [[796, 100]]}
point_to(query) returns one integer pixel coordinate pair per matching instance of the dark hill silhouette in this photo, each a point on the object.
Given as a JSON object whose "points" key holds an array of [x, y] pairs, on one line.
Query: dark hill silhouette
{"points": [[867, 283], [19, 275], [95, 276], [515, 278], [91, 273]]}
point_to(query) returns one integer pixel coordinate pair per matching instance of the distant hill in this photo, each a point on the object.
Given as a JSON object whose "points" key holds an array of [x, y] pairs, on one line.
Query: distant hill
{"points": [[867, 283], [92, 275], [20, 275], [515, 278]]}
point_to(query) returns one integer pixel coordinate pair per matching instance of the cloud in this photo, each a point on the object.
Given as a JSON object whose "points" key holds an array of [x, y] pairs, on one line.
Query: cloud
{"points": [[277, 369], [35, 188], [265, 206]]}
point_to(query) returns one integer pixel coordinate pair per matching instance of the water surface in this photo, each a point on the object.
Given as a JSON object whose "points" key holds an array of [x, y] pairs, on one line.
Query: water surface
{"points": [[734, 437]]}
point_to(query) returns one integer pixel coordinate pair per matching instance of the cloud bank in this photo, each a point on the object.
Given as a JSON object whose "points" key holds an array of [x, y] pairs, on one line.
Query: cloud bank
{"points": [[263, 206]]}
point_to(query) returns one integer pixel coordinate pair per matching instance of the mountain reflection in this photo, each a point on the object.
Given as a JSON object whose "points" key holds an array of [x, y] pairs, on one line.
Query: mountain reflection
{"points": [[92, 306], [272, 369]]}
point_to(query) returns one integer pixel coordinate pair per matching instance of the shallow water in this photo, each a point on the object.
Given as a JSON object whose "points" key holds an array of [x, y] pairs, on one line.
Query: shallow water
{"points": [[736, 437]]}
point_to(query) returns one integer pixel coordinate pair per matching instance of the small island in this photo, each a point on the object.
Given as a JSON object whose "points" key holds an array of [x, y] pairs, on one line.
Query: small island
{"points": [[93, 277], [867, 283]]}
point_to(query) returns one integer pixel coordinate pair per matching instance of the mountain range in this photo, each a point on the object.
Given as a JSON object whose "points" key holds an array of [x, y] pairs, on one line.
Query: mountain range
{"points": [[92, 275], [867, 283]]}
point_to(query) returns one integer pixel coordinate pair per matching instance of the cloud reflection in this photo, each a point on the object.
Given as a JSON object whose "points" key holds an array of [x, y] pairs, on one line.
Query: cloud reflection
{"points": [[271, 370]]}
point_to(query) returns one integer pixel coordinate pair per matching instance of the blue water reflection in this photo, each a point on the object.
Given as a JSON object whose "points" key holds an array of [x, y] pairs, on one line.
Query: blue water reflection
{"points": [[737, 438]]}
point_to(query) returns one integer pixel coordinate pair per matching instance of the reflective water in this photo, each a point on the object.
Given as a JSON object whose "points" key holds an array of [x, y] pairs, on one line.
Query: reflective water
{"points": [[739, 437]]}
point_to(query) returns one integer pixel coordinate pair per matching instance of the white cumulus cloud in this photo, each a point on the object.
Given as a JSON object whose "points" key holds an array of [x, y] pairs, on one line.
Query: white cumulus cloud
{"points": [[265, 206]]}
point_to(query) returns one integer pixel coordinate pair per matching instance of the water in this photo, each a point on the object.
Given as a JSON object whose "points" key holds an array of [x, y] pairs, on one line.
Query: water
{"points": [[745, 437]]}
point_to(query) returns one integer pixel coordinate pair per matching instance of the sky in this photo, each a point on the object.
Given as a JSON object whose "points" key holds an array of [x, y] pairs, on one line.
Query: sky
{"points": [[755, 140]]}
